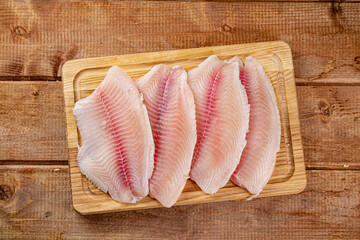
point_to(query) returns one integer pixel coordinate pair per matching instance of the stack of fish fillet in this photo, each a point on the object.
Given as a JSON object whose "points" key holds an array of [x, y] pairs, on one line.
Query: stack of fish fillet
{"points": [[215, 123]]}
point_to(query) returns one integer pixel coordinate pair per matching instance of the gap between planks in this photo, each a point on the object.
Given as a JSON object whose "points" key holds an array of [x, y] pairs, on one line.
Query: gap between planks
{"points": [[64, 164], [33, 163], [298, 81], [335, 84], [259, 1], [30, 78]]}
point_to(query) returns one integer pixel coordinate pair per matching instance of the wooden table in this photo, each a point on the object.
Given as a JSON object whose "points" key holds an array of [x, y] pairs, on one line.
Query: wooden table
{"points": [[37, 37]]}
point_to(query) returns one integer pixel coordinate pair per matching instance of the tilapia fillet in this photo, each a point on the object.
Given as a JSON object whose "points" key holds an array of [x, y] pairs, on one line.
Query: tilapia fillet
{"points": [[263, 139], [171, 110], [117, 151], [222, 117]]}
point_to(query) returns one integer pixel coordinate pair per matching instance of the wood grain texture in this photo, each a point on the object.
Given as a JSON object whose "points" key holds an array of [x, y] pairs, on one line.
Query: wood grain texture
{"points": [[38, 206], [32, 126], [330, 124], [81, 77], [37, 37]]}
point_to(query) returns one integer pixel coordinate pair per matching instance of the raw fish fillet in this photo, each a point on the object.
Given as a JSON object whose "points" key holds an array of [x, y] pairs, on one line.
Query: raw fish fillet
{"points": [[171, 109], [222, 117], [263, 139], [117, 150]]}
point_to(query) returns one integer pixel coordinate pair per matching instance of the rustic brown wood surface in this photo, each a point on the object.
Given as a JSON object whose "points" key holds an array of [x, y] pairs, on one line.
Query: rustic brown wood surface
{"points": [[36, 37], [34, 111], [37, 202]]}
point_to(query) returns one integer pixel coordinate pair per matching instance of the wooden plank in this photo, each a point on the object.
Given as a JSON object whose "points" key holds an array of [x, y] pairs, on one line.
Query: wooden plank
{"points": [[81, 77], [37, 204], [329, 141], [32, 126], [36, 37], [330, 125]]}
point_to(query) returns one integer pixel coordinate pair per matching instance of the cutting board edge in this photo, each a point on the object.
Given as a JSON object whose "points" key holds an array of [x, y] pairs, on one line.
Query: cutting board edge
{"points": [[286, 189], [71, 66]]}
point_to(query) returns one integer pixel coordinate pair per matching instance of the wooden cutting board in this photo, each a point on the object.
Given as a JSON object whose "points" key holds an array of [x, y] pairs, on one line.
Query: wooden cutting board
{"points": [[82, 76]]}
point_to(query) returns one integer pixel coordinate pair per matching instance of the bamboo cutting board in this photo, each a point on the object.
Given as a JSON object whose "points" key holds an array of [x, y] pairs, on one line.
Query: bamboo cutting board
{"points": [[82, 76]]}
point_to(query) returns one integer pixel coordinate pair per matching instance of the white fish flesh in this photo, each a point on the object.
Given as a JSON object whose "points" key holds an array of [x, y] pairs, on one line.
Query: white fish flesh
{"points": [[222, 116], [118, 148], [171, 109], [263, 139]]}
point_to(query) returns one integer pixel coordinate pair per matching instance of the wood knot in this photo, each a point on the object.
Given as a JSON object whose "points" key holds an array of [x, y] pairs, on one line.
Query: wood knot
{"points": [[336, 7], [21, 32], [5, 193], [357, 60], [48, 214], [325, 108], [201, 44], [61, 57], [326, 112], [227, 28], [35, 93]]}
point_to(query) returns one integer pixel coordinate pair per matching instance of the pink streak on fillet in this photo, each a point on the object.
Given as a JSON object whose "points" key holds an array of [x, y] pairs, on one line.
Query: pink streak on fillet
{"points": [[171, 109], [222, 118]]}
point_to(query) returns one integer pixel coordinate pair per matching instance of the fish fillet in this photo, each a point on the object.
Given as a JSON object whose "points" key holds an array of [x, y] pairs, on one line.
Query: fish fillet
{"points": [[263, 139], [117, 150], [222, 117], [171, 109]]}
